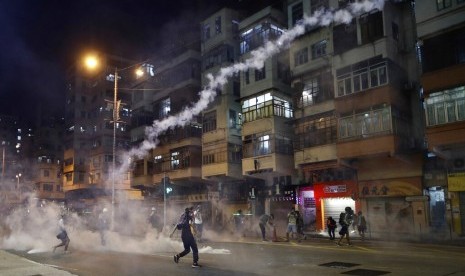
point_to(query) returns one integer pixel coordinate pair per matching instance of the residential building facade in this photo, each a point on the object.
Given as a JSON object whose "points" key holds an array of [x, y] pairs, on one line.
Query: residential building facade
{"points": [[441, 43]]}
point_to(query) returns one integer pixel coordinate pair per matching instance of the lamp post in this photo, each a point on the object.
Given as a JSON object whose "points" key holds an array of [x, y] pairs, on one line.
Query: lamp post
{"points": [[164, 201], [166, 191], [115, 119], [92, 62], [18, 176], [3, 160]]}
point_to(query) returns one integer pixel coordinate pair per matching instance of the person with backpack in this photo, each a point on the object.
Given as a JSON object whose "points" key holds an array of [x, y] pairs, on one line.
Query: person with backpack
{"points": [[361, 225], [291, 224], [63, 235], [345, 220], [331, 225]]}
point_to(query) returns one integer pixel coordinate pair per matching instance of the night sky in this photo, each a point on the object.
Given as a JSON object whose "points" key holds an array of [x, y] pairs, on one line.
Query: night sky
{"points": [[40, 39]]}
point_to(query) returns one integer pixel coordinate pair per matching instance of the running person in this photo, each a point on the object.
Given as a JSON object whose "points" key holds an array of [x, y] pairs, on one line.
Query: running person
{"points": [[187, 238], [63, 235]]}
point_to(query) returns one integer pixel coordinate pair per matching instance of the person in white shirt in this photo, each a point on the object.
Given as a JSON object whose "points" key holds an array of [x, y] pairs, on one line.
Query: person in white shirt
{"points": [[198, 223]]}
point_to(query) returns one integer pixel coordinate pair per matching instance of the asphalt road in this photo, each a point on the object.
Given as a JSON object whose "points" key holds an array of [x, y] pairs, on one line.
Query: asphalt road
{"points": [[251, 257]]}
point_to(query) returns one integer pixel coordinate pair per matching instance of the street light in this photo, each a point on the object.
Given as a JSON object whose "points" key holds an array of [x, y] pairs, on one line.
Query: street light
{"points": [[166, 190], [18, 176], [92, 62]]}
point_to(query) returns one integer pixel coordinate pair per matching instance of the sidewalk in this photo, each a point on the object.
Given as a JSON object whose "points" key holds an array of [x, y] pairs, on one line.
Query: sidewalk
{"points": [[14, 265]]}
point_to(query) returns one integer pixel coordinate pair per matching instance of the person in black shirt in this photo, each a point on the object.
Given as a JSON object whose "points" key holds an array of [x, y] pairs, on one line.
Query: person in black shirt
{"points": [[187, 237]]}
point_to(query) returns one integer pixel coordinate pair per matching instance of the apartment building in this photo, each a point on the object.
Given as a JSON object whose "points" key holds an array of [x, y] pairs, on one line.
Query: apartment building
{"points": [[176, 160], [267, 112], [10, 139], [47, 162], [221, 124], [89, 132], [358, 130], [441, 44]]}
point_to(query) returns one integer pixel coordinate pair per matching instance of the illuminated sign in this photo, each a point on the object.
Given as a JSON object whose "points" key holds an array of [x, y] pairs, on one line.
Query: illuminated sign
{"points": [[456, 182], [332, 189]]}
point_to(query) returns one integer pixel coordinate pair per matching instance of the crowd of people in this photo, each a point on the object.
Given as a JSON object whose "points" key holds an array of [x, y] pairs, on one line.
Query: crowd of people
{"points": [[190, 225]]}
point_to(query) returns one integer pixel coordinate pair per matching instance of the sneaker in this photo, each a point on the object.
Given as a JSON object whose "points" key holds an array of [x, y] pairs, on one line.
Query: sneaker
{"points": [[176, 258], [338, 244], [265, 240], [194, 265]]}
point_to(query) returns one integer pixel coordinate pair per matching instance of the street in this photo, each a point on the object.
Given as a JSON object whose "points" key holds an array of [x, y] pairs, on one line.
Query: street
{"points": [[314, 256]]}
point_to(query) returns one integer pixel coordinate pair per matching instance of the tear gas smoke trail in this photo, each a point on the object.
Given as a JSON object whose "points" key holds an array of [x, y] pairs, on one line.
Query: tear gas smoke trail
{"points": [[37, 228], [256, 61]]}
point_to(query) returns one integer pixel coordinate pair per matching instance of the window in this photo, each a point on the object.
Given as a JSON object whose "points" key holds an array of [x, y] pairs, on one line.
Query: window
{"points": [[436, 54], [446, 106], [361, 76], [247, 76], [316, 131], [264, 106], [175, 160], [301, 57], [232, 119], [263, 145], [48, 187], [218, 25], [256, 36], [310, 92], [371, 27], [443, 4], [165, 108], [234, 153], [208, 159], [367, 124], [46, 173], [206, 32], [260, 74], [69, 177], [344, 37], [319, 49], [209, 121], [180, 159], [297, 13]]}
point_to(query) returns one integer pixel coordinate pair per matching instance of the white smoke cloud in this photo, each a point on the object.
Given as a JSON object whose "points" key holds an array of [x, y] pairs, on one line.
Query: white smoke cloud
{"points": [[34, 229], [255, 61]]}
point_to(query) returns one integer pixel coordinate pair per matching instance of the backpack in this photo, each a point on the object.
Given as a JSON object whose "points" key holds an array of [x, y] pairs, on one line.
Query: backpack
{"points": [[342, 219]]}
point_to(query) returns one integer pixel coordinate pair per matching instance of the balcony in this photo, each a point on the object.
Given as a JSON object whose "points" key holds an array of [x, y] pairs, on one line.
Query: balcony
{"points": [[376, 132], [223, 160]]}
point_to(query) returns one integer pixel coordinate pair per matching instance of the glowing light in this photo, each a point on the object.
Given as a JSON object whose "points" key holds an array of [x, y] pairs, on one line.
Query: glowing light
{"points": [[91, 62]]}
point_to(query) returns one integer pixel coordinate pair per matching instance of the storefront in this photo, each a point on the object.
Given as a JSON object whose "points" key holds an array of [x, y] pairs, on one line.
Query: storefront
{"points": [[435, 184], [456, 187], [306, 203], [394, 206], [331, 198]]}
